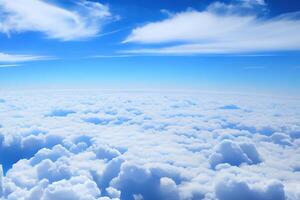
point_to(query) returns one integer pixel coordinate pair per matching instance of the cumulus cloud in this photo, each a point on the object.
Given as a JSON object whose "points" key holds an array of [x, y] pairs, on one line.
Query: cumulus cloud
{"points": [[173, 146], [234, 154], [221, 28], [60, 113], [145, 183], [16, 148], [281, 138], [231, 189], [77, 188], [83, 21]]}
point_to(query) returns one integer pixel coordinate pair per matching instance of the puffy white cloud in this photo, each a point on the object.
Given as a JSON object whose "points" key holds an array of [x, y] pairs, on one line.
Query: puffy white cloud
{"points": [[172, 146], [51, 154], [113, 193], [234, 154], [145, 183], [168, 189], [221, 28], [83, 21], [281, 138], [77, 188], [106, 153], [231, 189], [16, 147], [53, 171]]}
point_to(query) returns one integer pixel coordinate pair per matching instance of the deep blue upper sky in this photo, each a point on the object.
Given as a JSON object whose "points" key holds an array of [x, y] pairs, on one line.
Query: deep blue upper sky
{"points": [[191, 44]]}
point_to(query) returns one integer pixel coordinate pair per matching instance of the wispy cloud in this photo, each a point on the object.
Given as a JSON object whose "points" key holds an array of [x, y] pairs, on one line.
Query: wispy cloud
{"points": [[14, 58], [219, 29], [8, 65], [83, 21], [113, 56]]}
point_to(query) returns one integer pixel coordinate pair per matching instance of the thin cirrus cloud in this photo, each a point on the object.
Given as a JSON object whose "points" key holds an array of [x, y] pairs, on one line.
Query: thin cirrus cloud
{"points": [[220, 29], [83, 21], [15, 58], [8, 65]]}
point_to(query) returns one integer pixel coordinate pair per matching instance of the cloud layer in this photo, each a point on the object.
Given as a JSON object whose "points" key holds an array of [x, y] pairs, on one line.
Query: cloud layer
{"points": [[85, 145], [221, 28]]}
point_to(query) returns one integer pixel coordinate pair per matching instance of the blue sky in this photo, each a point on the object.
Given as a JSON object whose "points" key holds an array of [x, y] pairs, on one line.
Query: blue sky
{"points": [[240, 45]]}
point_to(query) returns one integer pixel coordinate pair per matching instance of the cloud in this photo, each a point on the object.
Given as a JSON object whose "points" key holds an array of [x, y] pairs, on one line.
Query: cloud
{"points": [[281, 138], [230, 107], [235, 190], [81, 22], [97, 121], [68, 189], [168, 189], [253, 2], [21, 147], [139, 182], [220, 29], [60, 113], [14, 58], [9, 65], [234, 154], [178, 146]]}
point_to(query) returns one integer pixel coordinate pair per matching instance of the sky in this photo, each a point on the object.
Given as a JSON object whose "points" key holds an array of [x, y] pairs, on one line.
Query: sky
{"points": [[149, 99], [249, 46]]}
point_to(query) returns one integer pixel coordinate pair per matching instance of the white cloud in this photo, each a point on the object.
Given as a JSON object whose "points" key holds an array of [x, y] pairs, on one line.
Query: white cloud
{"points": [[15, 58], [254, 2], [8, 65], [232, 189], [84, 21], [77, 188], [234, 154], [219, 29], [168, 189], [281, 138]]}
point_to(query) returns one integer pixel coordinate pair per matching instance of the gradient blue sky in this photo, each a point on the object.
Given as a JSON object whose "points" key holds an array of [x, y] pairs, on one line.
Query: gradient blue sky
{"points": [[102, 59]]}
